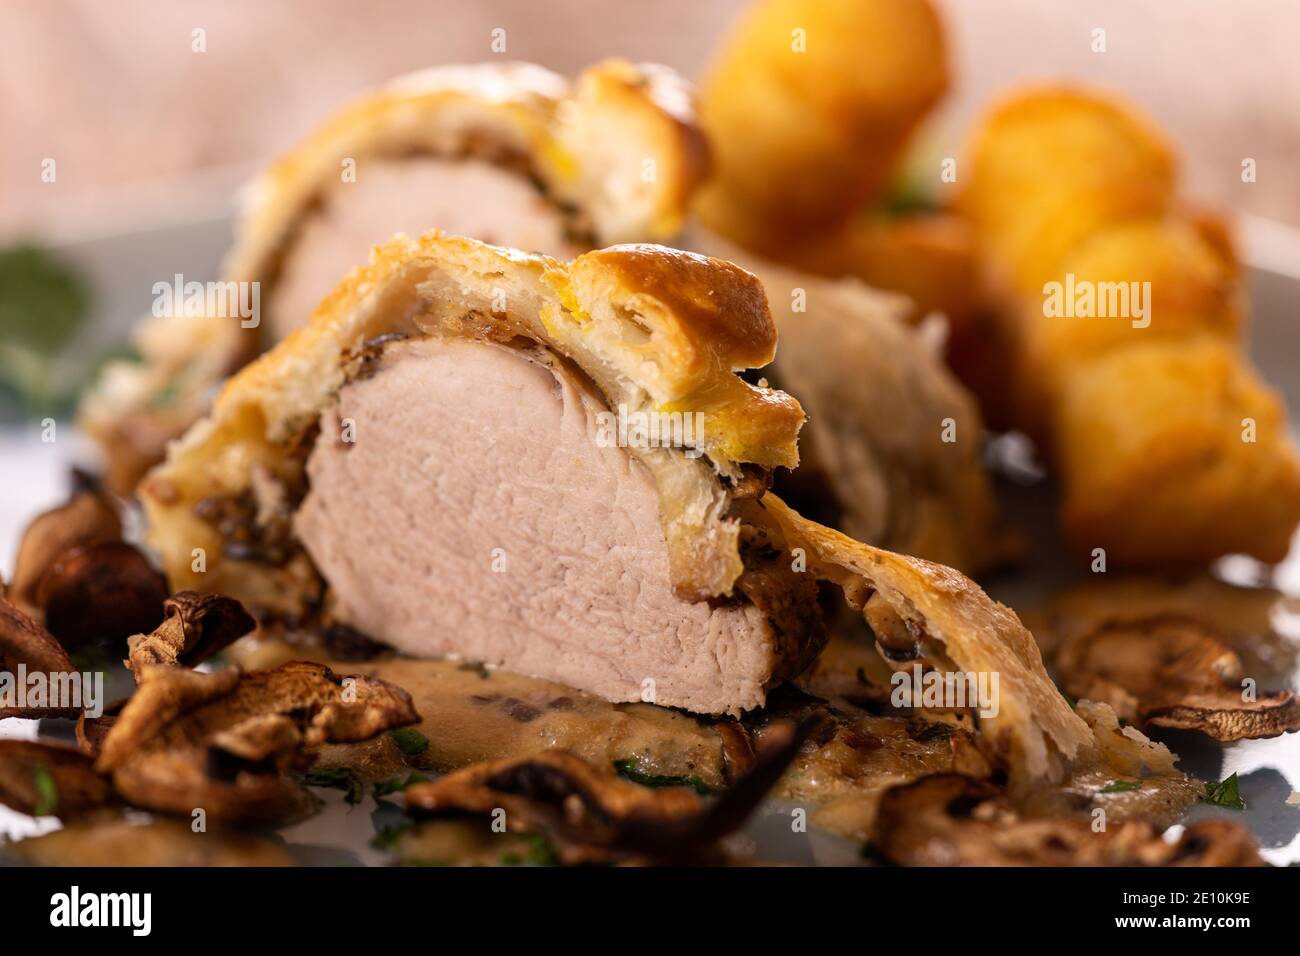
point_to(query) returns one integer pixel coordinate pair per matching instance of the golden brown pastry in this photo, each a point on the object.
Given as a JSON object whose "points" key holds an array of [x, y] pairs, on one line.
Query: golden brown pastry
{"points": [[956, 627], [1118, 341], [509, 153]]}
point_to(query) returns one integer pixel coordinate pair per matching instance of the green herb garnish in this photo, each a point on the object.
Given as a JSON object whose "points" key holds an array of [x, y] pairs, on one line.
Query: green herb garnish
{"points": [[339, 778], [47, 793], [409, 741], [1121, 786], [542, 852], [633, 772], [42, 304], [396, 784], [1224, 794]]}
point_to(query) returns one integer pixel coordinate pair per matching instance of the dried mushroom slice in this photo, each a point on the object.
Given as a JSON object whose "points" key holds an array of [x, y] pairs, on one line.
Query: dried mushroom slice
{"points": [[591, 809], [195, 627], [42, 779], [89, 517], [595, 815], [953, 820], [101, 592], [27, 646], [1259, 623], [1173, 671], [227, 742], [91, 731]]}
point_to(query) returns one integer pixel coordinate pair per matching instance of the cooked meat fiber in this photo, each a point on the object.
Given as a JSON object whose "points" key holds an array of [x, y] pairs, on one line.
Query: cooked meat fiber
{"points": [[464, 197], [462, 448]]}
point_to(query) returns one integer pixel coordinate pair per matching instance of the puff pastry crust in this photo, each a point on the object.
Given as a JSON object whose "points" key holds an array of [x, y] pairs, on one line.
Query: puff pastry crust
{"points": [[622, 315], [1035, 733]]}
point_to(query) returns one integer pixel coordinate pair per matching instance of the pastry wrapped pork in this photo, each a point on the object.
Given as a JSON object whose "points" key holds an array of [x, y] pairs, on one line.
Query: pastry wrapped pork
{"points": [[1119, 335], [447, 459], [429, 462], [509, 153]]}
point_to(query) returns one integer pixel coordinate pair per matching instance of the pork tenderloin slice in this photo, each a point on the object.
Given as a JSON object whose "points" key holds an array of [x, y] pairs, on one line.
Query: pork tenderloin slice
{"points": [[476, 515], [463, 197]]}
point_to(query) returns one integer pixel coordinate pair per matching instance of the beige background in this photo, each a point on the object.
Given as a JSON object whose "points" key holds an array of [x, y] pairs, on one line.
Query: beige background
{"points": [[144, 129]]}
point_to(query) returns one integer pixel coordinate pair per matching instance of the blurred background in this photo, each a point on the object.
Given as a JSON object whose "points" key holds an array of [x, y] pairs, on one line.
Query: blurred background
{"points": [[145, 130]]}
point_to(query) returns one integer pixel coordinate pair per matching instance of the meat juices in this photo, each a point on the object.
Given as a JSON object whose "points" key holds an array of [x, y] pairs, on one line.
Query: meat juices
{"points": [[476, 515], [463, 197]]}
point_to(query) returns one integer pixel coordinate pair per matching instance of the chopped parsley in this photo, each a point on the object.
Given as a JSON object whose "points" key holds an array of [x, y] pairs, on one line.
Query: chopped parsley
{"points": [[633, 772], [1224, 794], [409, 741], [42, 305], [542, 852], [47, 793], [397, 784], [1121, 786], [338, 778]]}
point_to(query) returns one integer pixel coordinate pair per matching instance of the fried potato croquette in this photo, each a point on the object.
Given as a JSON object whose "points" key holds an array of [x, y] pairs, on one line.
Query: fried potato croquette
{"points": [[806, 106], [1118, 341], [1050, 167], [1173, 453], [1183, 289]]}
